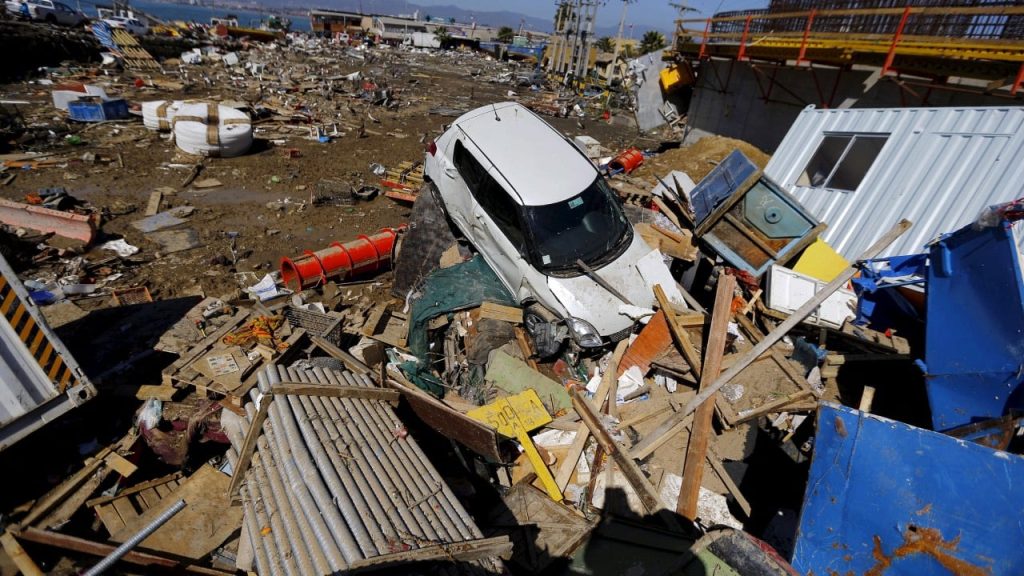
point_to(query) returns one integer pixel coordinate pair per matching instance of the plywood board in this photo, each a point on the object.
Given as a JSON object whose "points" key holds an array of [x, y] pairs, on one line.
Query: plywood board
{"points": [[205, 523]]}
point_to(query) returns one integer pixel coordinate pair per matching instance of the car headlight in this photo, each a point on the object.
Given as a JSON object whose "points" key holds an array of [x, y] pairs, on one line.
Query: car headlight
{"points": [[583, 333]]}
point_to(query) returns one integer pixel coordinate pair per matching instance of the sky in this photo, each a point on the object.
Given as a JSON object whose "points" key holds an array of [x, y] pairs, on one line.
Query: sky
{"points": [[643, 14]]}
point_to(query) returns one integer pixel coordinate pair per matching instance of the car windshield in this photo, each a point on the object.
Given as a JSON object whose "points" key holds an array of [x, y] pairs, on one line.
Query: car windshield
{"points": [[589, 226]]}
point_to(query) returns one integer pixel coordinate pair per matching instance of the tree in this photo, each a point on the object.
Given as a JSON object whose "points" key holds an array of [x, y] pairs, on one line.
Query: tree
{"points": [[506, 34], [605, 44], [652, 40], [627, 52], [442, 35]]}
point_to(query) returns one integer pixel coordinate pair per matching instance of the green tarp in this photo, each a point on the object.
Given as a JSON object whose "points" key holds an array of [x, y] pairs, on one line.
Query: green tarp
{"points": [[447, 290]]}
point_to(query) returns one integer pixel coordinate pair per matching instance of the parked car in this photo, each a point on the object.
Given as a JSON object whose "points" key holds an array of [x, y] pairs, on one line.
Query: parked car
{"points": [[46, 11], [534, 207], [134, 26]]}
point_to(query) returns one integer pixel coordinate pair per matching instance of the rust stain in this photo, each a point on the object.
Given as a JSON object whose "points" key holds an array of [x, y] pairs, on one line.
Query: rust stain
{"points": [[840, 427], [928, 541], [926, 510]]}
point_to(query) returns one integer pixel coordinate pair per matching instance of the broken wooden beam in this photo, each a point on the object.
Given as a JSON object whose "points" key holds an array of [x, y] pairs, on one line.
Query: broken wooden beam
{"points": [[17, 554], [249, 444], [76, 544], [579, 442], [360, 392], [640, 484], [781, 330], [467, 551], [696, 450], [679, 335]]}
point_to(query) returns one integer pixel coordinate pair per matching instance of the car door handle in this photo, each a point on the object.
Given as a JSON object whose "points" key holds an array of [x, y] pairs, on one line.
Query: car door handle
{"points": [[451, 172]]}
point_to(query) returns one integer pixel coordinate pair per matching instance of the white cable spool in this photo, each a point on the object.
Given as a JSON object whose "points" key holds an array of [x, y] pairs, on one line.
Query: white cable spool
{"points": [[205, 129], [159, 114]]}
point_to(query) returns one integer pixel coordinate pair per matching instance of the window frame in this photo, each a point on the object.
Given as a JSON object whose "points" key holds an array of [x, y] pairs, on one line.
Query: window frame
{"points": [[460, 153], [851, 141]]}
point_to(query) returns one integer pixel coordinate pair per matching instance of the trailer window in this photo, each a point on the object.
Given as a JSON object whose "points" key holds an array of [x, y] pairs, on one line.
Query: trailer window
{"points": [[842, 161]]}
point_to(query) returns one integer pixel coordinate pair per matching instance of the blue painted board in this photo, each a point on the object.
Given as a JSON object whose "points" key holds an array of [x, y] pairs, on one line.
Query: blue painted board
{"points": [[887, 498]]}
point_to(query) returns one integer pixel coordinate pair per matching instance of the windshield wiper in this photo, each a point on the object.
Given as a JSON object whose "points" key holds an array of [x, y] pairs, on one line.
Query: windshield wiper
{"points": [[601, 281]]}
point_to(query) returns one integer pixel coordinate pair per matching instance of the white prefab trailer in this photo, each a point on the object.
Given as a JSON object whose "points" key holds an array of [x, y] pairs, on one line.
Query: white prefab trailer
{"points": [[862, 170], [39, 380]]}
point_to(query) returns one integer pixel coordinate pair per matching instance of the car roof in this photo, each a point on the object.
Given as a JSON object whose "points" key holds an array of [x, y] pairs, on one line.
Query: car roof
{"points": [[534, 158]]}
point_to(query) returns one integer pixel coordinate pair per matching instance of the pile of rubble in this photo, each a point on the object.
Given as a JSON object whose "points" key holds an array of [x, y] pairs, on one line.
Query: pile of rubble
{"points": [[304, 375]]}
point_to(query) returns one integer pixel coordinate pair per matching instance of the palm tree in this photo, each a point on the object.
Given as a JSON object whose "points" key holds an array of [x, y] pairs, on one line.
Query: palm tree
{"points": [[605, 44], [652, 40], [506, 34], [442, 35]]}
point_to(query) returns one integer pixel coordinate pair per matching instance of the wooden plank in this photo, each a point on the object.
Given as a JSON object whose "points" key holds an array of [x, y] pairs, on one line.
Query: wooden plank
{"points": [[579, 442], [783, 363], [866, 399], [134, 489], [153, 206], [466, 551], [335, 391], [350, 361], [120, 464], [679, 335], [205, 523], [781, 330], [524, 347], [730, 484], [696, 450], [496, 311], [75, 544], [249, 445], [643, 488], [773, 406], [109, 517], [448, 422], [160, 392], [150, 497], [18, 555]]}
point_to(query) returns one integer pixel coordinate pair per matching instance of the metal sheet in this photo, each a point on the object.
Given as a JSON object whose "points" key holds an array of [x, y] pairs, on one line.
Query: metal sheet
{"points": [[885, 497], [939, 168], [975, 330]]}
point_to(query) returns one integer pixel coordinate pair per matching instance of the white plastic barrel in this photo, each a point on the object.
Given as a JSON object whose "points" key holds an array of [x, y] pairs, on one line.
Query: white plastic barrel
{"points": [[206, 129]]}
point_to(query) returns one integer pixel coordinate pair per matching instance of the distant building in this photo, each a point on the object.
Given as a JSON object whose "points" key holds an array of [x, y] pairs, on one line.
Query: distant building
{"points": [[331, 22]]}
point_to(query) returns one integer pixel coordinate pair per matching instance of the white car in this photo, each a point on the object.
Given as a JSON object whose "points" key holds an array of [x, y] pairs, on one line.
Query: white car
{"points": [[535, 207], [134, 26]]}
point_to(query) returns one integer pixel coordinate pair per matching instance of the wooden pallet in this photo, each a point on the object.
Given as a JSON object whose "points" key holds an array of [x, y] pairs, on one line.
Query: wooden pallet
{"points": [[186, 372], [405, 178], [126, 508], [135, 56]]}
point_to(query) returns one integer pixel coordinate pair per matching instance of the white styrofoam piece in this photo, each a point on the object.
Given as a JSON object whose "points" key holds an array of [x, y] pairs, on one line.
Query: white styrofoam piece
{"points": [[789, 290]]}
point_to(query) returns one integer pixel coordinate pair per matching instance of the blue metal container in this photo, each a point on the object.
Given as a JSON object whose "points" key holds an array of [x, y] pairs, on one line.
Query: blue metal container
{"points": [[888, 498], [84, 110], [974, 340]]}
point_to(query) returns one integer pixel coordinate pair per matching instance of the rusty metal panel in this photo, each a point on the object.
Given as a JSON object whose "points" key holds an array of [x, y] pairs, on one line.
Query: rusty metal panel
{"points": [[887, 498]]}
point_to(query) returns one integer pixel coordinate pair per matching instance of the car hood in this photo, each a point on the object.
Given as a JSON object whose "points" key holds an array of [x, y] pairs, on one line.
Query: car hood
{"points": [[633, 274]]}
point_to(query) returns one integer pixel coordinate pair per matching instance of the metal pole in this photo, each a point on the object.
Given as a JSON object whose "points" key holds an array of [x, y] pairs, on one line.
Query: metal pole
{"points": [[136, 539]]}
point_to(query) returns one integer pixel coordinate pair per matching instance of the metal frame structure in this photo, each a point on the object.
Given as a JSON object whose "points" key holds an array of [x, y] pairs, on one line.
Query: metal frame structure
{"points": [[39, 379], [930, 42]]}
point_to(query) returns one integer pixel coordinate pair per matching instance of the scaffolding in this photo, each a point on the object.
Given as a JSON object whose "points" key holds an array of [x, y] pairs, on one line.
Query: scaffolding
{"points": [[569, 52]]}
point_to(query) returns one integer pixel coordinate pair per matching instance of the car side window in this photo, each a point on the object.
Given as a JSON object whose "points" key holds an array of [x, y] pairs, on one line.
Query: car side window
{"points": [[490, 195]]}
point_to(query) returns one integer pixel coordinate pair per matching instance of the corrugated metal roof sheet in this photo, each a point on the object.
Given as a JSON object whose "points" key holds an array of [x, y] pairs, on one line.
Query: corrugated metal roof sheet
{"points": [[939, 168]]}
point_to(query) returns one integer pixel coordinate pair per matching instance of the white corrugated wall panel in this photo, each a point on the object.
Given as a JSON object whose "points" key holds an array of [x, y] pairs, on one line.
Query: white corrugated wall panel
{"points": [[939, 168]]}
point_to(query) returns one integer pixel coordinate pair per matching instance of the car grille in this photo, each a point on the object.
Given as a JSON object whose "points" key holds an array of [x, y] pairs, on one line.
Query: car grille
{"points": [[620, 334]]}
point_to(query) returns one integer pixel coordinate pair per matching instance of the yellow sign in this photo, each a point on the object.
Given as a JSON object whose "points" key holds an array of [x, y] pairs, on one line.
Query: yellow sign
{"points": [[514, 416]]}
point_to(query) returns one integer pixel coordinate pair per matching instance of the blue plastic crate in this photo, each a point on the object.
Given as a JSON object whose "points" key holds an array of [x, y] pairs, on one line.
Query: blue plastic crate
{"points": [[89, 111]]}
